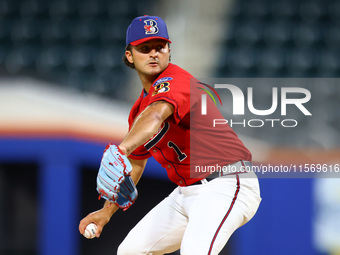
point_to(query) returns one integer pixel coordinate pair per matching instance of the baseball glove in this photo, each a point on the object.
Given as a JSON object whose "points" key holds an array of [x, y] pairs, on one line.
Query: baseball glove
{"points": [[114, 182]]}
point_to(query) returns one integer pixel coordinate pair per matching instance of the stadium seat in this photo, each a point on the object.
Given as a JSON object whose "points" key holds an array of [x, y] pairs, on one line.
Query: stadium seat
{"points": [[121, 9], [56, 32], [9, 9], [108, 59], [60, 40], [81, 59], [334, 11], [62, 9], [5, 32], [250, 33], [283, 10], [21, 59], [332, 36], [256, 9], [329, 64], [52, 59], [306, 35], [271, 62], [278, 33], [92, 9], [243, 58], [85, 32], [25, 32], [109, 84], [311, 11], [113, 32], [301, 62], [34, 9]]}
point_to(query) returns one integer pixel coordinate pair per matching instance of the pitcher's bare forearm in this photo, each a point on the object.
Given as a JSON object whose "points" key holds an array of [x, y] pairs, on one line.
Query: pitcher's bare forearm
{"points": [[146, 125]]}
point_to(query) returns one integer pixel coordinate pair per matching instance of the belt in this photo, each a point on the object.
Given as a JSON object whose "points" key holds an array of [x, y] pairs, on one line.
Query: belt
{"points": [[238, 167]]}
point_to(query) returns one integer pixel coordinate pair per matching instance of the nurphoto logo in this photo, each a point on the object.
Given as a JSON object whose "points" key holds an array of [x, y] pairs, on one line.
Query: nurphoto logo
{"points": [[295, 97]]}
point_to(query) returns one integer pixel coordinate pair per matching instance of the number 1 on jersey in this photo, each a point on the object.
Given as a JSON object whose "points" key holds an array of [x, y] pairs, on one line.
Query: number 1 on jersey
{"points": [[180, 154]]}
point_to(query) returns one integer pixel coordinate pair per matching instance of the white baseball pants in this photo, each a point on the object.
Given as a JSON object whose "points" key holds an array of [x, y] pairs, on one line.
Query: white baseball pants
{"points": [[197, 219]]}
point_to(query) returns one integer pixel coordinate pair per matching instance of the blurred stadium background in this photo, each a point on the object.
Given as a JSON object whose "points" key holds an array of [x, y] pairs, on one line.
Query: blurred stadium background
{"points": [[65, 93]]}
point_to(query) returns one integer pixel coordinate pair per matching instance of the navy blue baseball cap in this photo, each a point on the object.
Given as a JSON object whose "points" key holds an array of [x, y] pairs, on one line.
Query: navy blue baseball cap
{"points": [[146, 28]]}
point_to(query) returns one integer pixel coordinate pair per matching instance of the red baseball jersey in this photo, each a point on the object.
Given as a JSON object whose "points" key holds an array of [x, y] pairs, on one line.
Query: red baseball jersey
{"points": [[187, 141]]}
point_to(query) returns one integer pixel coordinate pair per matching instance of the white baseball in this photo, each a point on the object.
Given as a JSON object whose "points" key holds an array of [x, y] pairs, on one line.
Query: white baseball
{"points": [[90, 231]]}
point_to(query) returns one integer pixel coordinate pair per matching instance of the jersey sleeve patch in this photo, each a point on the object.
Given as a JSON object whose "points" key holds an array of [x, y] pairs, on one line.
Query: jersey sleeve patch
{"points": [[161, 80], [161, 88]]}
